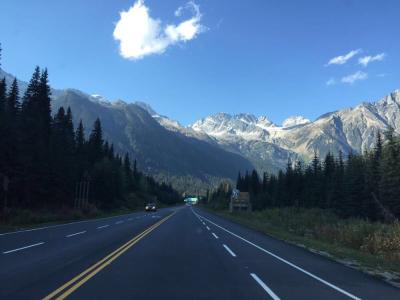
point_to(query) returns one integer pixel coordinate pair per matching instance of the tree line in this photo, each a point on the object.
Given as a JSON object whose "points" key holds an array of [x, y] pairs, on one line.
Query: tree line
{"points": [[362, 185], [43, 158]]}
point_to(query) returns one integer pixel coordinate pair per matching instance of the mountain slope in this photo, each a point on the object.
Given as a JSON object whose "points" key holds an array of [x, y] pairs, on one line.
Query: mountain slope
{"points": [[348, 130], [161, 152], [157, 149], [220, 145]]}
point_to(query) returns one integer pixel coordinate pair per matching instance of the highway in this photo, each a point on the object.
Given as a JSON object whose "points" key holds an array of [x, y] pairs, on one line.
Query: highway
{"points": [[174, 253]]}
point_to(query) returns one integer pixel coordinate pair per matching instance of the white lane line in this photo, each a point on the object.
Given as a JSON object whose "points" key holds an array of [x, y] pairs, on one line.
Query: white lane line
{"points": [[214, 235], [286, 261], [208, 228], [130, 219], [73, 234], [101, 227], [119, 222], [22, 248], [229, 250], [60, 225], [264, 286], [197, 216]]}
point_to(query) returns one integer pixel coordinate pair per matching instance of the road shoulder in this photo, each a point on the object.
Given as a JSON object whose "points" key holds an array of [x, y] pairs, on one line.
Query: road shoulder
{"points": [[344, 256]]}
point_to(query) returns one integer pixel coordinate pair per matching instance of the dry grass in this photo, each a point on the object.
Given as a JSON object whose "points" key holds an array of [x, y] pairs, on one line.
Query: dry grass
{"points": [[371, 244]]}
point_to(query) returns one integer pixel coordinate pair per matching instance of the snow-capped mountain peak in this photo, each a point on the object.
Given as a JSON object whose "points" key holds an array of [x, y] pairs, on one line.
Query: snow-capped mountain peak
{"points": [[227, 126]]}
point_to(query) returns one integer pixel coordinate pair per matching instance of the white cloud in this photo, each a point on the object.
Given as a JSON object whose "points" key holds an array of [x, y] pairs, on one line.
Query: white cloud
{"points": [[350, 79], [368, 59], [140, 35], [342, 59], [331, 81]]}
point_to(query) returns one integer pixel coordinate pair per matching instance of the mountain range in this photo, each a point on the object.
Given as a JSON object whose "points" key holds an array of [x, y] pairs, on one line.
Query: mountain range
{"points": [[217, 147], [268, 146]]}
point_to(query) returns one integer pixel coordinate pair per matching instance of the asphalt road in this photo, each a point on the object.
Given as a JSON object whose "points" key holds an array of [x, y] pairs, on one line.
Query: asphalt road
{"points": [[174, 253]]}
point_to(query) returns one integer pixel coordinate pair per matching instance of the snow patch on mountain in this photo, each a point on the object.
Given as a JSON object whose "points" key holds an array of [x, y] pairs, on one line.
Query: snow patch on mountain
{"points": [[99, 99], [295, 121]]}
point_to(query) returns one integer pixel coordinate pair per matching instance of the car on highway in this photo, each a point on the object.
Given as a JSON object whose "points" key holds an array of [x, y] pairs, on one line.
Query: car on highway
{"points": [[151, 207]]}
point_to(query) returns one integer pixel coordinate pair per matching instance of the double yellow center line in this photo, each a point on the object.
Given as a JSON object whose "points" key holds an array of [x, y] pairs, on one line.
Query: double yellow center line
{"points": [[65, 290]]}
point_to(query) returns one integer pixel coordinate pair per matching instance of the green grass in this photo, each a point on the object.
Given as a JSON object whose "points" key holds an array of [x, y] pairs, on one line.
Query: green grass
{"points": [[371, 247]]}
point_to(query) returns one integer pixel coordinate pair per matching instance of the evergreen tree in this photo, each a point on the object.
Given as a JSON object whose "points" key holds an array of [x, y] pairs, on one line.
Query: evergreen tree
{"points": [[10, 134], [246, 182], [356, 197], [373, 178], [289, 184], [69, 130], [34, 156], [96, 142], [81, 155], [390, 170], [3, 124], [12, 102], [106, 149], [316, 183], [265, 182], [298, 183], [3, 90], [80, 137], [338, 202], [328, 173], [110, 153], [135, 170], [44, 106], [239, 181], [255, 183]]}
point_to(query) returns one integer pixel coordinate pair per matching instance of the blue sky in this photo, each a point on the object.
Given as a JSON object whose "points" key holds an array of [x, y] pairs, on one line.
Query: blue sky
{"points": [[262, 56]]}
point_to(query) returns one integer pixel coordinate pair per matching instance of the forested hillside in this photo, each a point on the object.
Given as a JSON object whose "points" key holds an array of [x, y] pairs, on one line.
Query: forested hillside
{"points": [[45, 161], [364, 186]]}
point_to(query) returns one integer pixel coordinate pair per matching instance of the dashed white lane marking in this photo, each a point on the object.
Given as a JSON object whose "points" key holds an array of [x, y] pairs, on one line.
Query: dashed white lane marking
{"points": [[208, 228], [130, 219], [119, 222], [104, 226], [214, 235], [73, 234], [59, 225], [229, 250], [264, 286], [22, 248], [283, 260]]}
